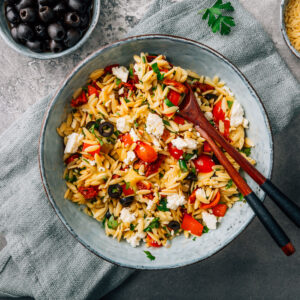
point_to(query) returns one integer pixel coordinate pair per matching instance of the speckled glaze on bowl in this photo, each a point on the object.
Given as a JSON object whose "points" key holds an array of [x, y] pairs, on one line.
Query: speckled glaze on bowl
{"points": [[187, 54], [5, 34], [283, 28]]}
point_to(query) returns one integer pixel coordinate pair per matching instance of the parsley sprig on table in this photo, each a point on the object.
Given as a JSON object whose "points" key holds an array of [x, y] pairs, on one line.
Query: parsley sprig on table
{"points": [[216, 20]]}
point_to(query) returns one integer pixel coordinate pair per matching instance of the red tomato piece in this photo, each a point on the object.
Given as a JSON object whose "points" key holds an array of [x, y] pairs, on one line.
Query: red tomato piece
{"points": [[220, 210], [154, 166], [226, 128], [203, 163], [203, 87], [215, 201], [85, 145], [145, 152], [108, 69], [143, 185], [191, 225], [149, 196], [174, 97], [164, 70], [176, 153], [71, 158], [165, 135], [80, 100], [178, 85], [218, 113], [92, 90], [206, 147], [151, 242], [126, 139], [88, 192], [179, 120], [192, 198], [150, 58], [115, 176], [127, 192]]}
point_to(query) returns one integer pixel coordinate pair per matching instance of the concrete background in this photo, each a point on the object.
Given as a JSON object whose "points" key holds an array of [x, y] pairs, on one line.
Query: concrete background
{"points": [[251, 267]]}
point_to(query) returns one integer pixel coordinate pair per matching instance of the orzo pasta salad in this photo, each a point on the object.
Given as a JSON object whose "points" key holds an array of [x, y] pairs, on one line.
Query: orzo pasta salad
{"points": [[138, 167]]}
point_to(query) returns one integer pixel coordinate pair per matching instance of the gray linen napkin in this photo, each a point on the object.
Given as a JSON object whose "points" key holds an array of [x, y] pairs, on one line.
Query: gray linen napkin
{"points": [[41, 259]]}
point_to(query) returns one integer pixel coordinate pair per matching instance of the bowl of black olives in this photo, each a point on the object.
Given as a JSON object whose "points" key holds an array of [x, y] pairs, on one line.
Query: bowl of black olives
{"points": [[48, 29]]}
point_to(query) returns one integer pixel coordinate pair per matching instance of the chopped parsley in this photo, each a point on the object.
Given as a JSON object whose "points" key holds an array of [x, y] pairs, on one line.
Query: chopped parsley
{"points": [[194, 238], [166, 122], [161, 175], [188, 156], [156, 70], [162, 205], [229, 103], [229, 184], [132, 227], [149, 255], [85, 89], [216, 20], [117, 133], [136, 124], [112, 223], [131, 72], [241, 197], [153, 224], [118, 81], [73, 179], [168, 102], [193, 170], [144, 59], [205, 229], [127, 185], [247, 151], [127, 100], [183, 165], [212, 122], [86, 160]]}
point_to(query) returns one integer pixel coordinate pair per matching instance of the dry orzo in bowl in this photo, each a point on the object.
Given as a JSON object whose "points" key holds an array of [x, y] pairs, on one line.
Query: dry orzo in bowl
{"points": [[138, 167]]}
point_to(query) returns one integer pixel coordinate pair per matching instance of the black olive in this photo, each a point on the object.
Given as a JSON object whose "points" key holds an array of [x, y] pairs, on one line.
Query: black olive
{"points": [[25, 32], [47, 2], [40, 30], [72, 19], [89, 125], [46, 14], [8, 8], [115, 191], [55, 46], [14, 34], [84, 21], [126, 201], [56, 32], [191, 176], [12, 16], [11, 2], [77, 5], [25, 3], [72, 37], [216, 161], [211, 96], [106, 129], [35, 46], [28, 14], [108, 214], [60, 9], [174, 225]]}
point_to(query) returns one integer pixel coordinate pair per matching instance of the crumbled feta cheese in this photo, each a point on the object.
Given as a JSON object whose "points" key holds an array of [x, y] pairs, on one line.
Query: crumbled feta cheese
{"points": [[130, 157], [126, 216], [210, 220], [155, 125], [200, 193], [122, 125], [174, 201], [245, 123], [133, 135], [121, 91], [121, 72], [181, 143], [74, 141], [138, 71], [91, 162], [208, 115], [236, 114], [150, 205], [135, 239]]}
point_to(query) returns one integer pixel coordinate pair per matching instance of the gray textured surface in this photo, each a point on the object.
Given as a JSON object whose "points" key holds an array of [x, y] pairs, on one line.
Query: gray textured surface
{"points": [[251, 267]]}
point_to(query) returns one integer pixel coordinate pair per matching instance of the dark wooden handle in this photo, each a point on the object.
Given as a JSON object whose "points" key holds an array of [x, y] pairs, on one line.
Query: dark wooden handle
{"points": [[286, 205], [260, 210]]}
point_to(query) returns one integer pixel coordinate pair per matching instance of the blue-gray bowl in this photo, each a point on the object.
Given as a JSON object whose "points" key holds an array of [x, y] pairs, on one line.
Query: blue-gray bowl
{"points": [[187, 54], [283, 28], [5, 34]]}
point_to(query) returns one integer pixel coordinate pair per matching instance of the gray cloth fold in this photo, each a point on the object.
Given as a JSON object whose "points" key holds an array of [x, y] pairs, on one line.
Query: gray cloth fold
{"points": [[41, 259]]}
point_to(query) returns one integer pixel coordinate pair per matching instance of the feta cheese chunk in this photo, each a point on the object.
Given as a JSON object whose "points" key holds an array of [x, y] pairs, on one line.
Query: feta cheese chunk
{"points": [[150, 205], [126, 216], [138, 70], [74, 141], [133, 135], [200, 194], [208, 115], [181, 143], [210, 220], [121, 72], [236, 114], [134, 240], [174, 201], [122, 125], [245, 123], [130, 157], [155, 125]]}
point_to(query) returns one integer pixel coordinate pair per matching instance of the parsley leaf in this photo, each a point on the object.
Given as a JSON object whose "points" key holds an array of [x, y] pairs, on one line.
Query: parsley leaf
{"points": [[144, 59], [162, 205], [127, 100], [156, 70], [132, 227], [118, 81], [241, 197], [127, 185], [229, 103], [153, 224], [247, 151], [149, 255], [131, 72], [166, 123], [216, 20], [205, 229], [73, 179], [194, 239], [229, 184], [168, 102]]}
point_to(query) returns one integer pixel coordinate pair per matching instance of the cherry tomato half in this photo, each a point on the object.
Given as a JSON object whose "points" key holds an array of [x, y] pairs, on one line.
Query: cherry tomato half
{"points": [[88, 192], [178, 85], [203, 163], [218, 112], [80, 100], [108, 69], [176, 153], [92, 90], [127, 192], [220, 210], [174, 97], [191, 225], [145, 152], [206, 147], [178, 120], [85, 145], [126, 139], [213, 203], [151, 243]]}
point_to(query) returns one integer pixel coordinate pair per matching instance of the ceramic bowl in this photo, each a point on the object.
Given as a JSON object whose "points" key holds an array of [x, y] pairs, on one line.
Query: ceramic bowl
{"points": [[187, 54], [283, 28], [5, 34]]}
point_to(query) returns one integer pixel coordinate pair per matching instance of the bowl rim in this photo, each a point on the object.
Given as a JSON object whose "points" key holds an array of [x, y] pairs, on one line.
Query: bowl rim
{"points": [[70, 76], [283, 29], [49, 55]]}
